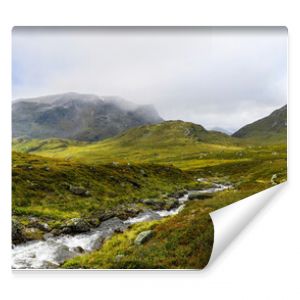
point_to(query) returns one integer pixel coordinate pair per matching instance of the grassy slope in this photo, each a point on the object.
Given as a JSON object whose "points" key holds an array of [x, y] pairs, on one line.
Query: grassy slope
{"points": [[42, 145], [185, 240], [182, 241], [40, 185], [183, 144], [271, 129]]}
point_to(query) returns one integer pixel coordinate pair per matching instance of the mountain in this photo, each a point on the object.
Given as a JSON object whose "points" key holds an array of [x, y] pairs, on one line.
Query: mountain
{"points": [[220, 129], [76, 116], [270, 128]]}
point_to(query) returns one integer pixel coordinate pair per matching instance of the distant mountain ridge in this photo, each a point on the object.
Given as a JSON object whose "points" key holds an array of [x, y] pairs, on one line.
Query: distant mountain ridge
{"points": [[220, 129], [272, 127], [77, 116]]}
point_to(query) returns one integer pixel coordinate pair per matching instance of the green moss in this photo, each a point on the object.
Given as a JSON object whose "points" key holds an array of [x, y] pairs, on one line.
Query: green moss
{"points": [[41, 186]]}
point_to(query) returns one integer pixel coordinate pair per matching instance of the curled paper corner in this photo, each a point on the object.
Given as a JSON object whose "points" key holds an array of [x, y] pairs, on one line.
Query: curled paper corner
{"points": [[229, 221]]}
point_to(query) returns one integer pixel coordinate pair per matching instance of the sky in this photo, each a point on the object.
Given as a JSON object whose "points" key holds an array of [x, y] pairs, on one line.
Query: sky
{"points": [[216, 77]]}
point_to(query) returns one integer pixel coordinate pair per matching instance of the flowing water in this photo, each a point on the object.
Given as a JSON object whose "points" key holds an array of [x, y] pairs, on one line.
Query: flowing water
{"points": [[53, 251]]}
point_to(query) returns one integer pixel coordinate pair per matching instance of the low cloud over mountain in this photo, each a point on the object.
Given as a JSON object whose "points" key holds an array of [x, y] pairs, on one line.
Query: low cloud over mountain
{"points": [[78, 116]]}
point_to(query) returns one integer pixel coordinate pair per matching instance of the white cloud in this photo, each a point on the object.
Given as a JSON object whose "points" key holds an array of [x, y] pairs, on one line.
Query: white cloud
{"points": [[211, 76]]}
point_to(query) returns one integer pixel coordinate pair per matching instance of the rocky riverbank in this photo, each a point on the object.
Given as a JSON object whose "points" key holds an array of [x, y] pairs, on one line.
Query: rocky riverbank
{"points": [[79, 235], [32, 228]]}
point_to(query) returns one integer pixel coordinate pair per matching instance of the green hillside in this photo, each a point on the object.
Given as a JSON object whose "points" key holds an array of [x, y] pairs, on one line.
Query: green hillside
{"points": [[272, 128], [27, 145], [184, 240], [184, 144], [145, 168], [57, 190]]}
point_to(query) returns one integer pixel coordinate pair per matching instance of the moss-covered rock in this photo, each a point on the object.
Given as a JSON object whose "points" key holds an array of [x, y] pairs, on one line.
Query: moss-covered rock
{"points": [[32, 233], [79, 191], [17, 233], [143, 237], [76, 225], [161, 203]]}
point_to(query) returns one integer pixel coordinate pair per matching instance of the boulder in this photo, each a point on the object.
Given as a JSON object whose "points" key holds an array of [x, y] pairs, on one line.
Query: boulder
{"points": [[79, 191], [119, 257], [143, 173], [199, 195], [66, 230], [36, 223], [62, 253], [78, 249], [94, 222], [156, 204], [97, 243], [48, 235], [112, 224], [56, 231], [143, 237], [159, 204], [76, 225], [33, 220], [41, 226], [17, 233], [122, 212], [171, 203], [32, 233], [127, 211], [105, 215], [49, 265]]}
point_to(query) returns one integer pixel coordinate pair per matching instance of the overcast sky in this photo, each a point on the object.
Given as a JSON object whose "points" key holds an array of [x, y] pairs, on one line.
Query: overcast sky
{"points": [[210, 76]]}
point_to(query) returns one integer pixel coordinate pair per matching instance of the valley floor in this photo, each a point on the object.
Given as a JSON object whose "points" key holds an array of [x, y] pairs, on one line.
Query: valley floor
{"points": [[63, 196]]}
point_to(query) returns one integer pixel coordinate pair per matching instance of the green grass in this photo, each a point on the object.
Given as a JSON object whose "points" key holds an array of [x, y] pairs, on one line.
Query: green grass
{"points": [[271, 129], [184, 145], [35, 145], [146, 162], [41, 186], [183, 241]]}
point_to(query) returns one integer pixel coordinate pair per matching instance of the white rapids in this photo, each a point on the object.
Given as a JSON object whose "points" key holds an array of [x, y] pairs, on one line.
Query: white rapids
{"points": [[53, 251]]}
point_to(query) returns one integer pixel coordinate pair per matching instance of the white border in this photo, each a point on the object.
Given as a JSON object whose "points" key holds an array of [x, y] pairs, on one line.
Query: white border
{"points": [[263, 262]]}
